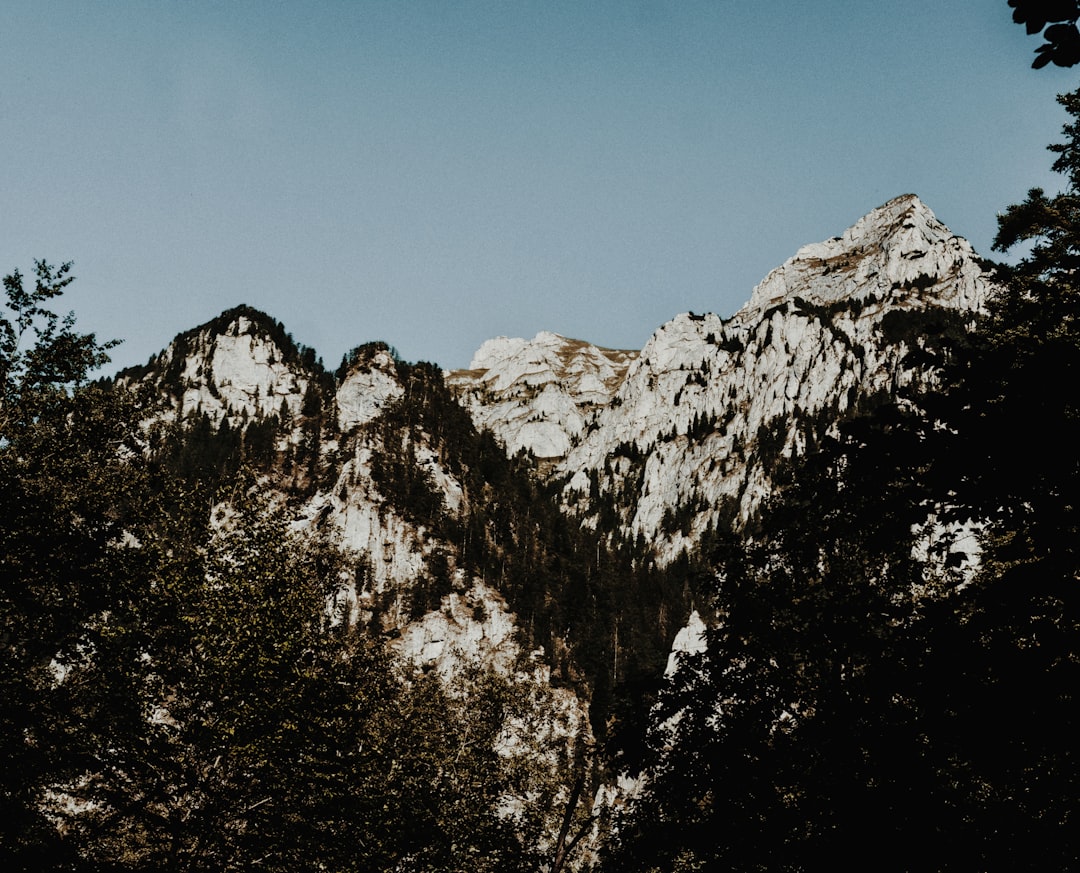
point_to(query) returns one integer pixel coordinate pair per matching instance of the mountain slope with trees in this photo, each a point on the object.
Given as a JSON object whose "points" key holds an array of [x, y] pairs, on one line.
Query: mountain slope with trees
{"points": [[255, 614], [322, 616], [177, 694], [854, 694]]}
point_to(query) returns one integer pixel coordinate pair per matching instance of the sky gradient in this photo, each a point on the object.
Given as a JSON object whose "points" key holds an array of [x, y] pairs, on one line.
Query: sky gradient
{"points": [[433, 174]]}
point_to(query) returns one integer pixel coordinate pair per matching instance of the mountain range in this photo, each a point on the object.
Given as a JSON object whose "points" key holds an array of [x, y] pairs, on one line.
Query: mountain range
{"points": [[680, 607], [643, 454]]}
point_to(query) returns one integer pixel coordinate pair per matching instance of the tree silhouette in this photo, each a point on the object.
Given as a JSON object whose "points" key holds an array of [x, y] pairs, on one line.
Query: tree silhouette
{"points": [[1056, 21]]}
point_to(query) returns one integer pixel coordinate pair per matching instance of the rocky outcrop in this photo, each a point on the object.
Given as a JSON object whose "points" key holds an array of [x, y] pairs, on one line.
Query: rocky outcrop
{"points": [[539, 394], [696, 423]]}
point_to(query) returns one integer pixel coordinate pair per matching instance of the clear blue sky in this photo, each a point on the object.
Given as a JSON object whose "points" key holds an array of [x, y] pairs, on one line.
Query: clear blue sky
{"points": [[436, 173]]}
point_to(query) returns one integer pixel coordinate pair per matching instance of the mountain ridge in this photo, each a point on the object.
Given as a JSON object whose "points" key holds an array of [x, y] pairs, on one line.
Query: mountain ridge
{"points": [[710, 405], [667, 443], [642, 456], [537, 394]]}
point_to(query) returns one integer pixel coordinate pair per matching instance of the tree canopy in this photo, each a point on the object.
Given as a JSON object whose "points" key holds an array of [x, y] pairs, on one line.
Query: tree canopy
{"points": [[1056, 21]]}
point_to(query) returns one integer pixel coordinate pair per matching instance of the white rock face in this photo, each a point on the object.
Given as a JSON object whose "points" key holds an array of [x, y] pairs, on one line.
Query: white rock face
{"points": [[235, 373], [232, 370], [367, 390], [474, 625], [690, 641], [696, 419], [396, 553], [538, 394]]}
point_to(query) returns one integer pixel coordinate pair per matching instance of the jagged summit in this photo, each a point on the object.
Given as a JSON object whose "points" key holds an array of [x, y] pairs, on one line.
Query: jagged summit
{"points": [[710, 406], [536, 394], [368, 382], [238, 320], [892, 250], [243, 319], [507, 361], [241, 363]]}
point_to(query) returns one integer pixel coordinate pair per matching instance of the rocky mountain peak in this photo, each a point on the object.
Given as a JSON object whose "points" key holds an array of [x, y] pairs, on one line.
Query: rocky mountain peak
{"points": [[894, 250], [368, 383], [711, 407], [548, 357], [537, 394], [240, 365]]}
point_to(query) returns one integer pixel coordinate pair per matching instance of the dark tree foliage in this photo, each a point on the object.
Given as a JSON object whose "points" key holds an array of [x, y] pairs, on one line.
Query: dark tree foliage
{"points": [[860, 690], [844, 703], [247, 732], [1014, 402], [41, 354], [597, 604], [69, 485], [1056, 21], [785, 738]]}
